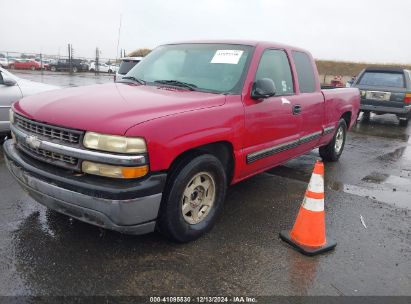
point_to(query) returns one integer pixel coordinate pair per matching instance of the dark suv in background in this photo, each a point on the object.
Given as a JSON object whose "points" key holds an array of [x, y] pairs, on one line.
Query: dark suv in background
{"points": [[385, 90], [77, 65]]}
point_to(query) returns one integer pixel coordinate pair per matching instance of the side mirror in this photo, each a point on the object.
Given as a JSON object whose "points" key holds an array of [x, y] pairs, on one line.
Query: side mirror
{"points": [[263, 88], [9, 81]]}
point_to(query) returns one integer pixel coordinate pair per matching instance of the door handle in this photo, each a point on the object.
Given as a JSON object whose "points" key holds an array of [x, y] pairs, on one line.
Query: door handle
{"points": [[296, 109]]}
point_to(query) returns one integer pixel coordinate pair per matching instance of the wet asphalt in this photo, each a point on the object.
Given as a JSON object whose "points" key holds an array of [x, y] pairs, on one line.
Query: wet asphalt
{"points": [[45, 253]]}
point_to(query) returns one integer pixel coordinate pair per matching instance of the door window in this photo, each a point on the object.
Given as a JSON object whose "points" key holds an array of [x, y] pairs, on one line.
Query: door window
{"points": [[274, 65]]}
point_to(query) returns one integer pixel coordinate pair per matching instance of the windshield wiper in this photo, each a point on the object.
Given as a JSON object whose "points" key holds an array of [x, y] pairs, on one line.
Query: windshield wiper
{"points": [[140, 81], [178, 83]]}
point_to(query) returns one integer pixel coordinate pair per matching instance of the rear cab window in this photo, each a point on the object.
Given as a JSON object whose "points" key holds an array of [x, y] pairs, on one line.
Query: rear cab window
{"points": [[305, 72], [382, 79], [274, 64]]}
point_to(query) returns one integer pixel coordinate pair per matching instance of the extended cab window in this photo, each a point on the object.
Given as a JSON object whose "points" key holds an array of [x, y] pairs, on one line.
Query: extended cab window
{"points": [[274, 65], [382, 79], [305, 72]]}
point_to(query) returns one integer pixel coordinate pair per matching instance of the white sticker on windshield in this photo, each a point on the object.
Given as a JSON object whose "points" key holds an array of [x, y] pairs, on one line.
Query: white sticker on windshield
{"points": [[227, 56]]}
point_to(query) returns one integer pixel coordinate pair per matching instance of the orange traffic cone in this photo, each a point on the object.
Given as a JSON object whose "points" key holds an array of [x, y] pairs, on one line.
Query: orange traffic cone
{"points": [[308, 233]]}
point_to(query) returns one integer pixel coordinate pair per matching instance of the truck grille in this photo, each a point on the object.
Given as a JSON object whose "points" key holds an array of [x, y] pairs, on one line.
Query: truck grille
{"points": [[48, 156], [57, 133]]}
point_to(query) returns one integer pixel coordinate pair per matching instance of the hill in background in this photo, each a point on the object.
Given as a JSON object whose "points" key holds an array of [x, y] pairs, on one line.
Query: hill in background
{"points": [[327, 67]]}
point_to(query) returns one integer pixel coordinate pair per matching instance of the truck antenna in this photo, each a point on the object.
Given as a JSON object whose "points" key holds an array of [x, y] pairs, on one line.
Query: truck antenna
{"points": [[118, 39]]}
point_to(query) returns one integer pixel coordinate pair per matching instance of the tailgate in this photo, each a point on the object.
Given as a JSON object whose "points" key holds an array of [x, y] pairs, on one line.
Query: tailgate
{"points": [[384, 97]]}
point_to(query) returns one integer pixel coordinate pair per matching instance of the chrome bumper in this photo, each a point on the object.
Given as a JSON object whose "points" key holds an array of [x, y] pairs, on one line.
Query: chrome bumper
{"points": [[131, 216], [380, 109]]}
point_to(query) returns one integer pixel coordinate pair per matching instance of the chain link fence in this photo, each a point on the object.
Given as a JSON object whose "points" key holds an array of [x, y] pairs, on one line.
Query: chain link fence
{"points": [[47, 62]]}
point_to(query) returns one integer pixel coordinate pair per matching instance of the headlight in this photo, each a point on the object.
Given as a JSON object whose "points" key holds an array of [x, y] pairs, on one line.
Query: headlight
{"points": [[111, 143], [11, 116], [113, 171]]}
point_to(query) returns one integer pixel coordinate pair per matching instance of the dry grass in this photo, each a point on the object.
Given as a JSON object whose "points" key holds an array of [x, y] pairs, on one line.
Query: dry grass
{"points": [[326, 67]]}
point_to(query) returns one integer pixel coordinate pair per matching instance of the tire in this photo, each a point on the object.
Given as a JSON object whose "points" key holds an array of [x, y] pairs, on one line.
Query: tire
{"points": [[404, 122], [110, 71], [201, 170], [332, 151], [53, 69], [366, 115], [91, 70]]}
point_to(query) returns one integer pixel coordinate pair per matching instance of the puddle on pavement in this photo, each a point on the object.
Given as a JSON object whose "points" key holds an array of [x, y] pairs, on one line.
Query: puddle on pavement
{"points": [[393, 156], [389, 189]]}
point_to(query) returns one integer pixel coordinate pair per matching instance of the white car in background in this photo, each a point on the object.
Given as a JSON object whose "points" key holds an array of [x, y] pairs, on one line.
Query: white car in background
{"points": [[103, 67], [4, 62], [13, 88]]}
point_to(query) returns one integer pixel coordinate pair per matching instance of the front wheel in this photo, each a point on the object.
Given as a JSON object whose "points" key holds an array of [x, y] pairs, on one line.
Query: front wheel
{"points": [[333, 150], [193, 198]]}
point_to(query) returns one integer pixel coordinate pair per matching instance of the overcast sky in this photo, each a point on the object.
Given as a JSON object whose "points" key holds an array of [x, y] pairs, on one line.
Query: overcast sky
{"points": [[350, 30]]}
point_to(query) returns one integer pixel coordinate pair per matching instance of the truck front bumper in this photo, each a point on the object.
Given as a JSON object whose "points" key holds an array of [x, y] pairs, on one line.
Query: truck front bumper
{"points": [[404, 111], [135, 215]]}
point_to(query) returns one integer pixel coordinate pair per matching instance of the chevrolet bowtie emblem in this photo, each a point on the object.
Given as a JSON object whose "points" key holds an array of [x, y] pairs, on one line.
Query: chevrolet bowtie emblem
{"points": [[33, 141]]}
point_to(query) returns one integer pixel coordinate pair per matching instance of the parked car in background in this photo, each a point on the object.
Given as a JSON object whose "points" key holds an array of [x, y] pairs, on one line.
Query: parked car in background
{"points": [[102, 67], [25, 64], [385, 90], [4, 62], [13, 88], [44, 63], [77, 65], [158, 149], [126, 64]]}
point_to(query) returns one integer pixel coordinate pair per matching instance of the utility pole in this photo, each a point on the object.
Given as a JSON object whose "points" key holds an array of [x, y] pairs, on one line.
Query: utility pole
{"points": [[41, 64], [70, 57], [96, 63]]}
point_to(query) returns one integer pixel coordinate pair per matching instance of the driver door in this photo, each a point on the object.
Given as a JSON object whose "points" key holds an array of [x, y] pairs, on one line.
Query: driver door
{"points": [[272, 125]]}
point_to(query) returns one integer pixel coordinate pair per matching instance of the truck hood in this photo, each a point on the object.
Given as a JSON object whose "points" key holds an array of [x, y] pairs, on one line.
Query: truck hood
{"points": [[112, 108]]}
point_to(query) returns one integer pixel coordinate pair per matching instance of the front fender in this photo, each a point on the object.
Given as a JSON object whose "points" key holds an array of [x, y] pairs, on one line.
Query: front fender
{"points": [[170, 136]]}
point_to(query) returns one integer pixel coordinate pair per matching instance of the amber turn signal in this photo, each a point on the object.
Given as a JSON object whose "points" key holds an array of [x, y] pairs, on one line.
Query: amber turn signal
{"points": [[113, 171]]}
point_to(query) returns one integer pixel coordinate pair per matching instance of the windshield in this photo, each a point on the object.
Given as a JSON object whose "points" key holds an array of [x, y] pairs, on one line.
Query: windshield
{"points": [[10, 75], [218, 68], [382, 79]]}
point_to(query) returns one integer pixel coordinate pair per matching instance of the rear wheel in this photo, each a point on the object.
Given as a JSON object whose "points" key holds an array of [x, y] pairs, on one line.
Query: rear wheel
{"points": [[366, 115], [403, 122], [193, 198], [333, 150]]}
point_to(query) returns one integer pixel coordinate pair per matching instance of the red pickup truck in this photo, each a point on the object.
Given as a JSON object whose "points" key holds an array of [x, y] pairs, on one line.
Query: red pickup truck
{"points": [[158, 149]]}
